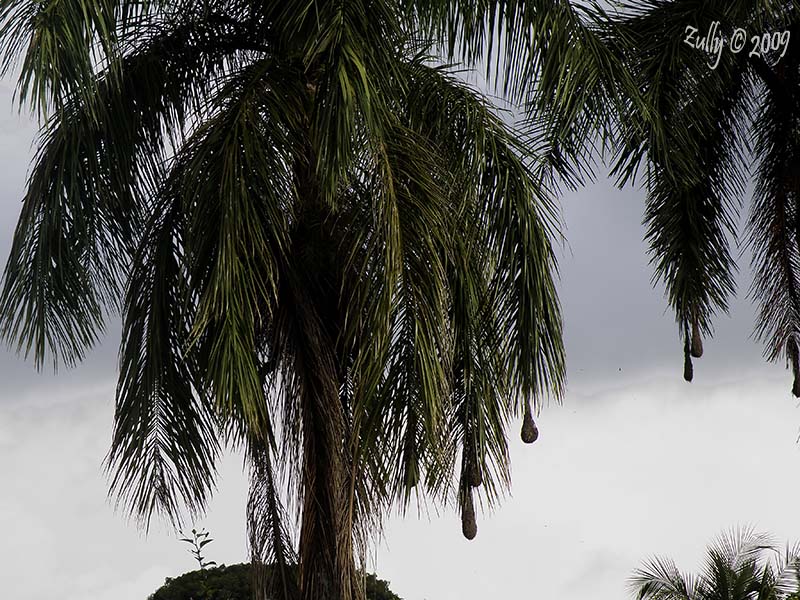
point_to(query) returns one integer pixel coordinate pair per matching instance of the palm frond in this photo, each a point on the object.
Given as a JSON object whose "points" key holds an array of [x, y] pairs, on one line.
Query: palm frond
{"points": [[271, 545], [741, 564], [557, 57], [61, 43], [93, 174], [775, 221], [237, 194], [695, 173], [165, 443], [660, 579], [492, 283]]}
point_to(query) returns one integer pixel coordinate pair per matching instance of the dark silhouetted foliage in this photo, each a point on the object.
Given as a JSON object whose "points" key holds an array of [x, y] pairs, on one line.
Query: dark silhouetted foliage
{"points": [[233, 583]]}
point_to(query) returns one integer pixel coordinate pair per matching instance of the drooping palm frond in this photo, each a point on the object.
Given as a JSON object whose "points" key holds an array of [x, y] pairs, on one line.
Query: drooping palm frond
{"points": [[61, 43], [775, 221], [695, 173], [237, 192], [271, 546], [166, 431], [563, 60], [93, 173], [494, 284], [720, 111]]}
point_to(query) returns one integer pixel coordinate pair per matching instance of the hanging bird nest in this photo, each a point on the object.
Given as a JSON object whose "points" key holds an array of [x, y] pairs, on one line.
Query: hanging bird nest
{"points": [[469, 526], [471, 466], [697, 340], [475, 472], [529, 433]]}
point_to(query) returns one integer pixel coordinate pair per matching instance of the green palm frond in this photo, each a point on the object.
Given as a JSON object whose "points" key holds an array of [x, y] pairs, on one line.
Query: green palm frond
{"points": [[696, 172], [271, 545], [61, 42], [563, 60], [740, 565], [706, 123], [660, 579], [92, 175], [773, 227], [483, 289], [237, 189], [166, 432]]}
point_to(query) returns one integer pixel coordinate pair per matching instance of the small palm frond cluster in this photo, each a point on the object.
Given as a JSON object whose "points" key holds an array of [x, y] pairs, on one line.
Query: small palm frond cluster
{"points": [[740, 565], [326, 251], [714, 123]]}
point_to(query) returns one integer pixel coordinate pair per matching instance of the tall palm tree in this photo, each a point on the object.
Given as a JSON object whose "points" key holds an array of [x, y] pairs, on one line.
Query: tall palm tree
{"points": [[707, 125], [325, 249], [740, 565]]}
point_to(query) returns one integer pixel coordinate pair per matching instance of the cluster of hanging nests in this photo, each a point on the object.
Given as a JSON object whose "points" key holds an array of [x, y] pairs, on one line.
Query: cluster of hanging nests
{"points": [[693, 348], [474, 475]]}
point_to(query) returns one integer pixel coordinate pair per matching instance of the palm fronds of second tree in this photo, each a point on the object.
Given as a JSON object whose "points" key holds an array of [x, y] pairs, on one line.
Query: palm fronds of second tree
{"points": [[560, 60], [715, 121], [326, 251], [740, 565]]}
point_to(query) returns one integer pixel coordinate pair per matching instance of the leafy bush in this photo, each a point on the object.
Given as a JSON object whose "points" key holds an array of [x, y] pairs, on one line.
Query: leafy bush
{"points": [[233, 583]]}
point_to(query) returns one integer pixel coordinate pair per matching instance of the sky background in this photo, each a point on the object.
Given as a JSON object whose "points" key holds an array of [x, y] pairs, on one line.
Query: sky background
{"points": [[635, 462]]}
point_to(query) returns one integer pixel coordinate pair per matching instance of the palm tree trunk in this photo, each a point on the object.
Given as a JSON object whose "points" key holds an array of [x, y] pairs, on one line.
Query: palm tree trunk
{"points": [[326, 552], [327, 568]]}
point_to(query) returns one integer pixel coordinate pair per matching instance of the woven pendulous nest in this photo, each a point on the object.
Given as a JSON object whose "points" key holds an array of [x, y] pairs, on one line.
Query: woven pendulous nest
{"points": [[469, 526], [529, 433], [697, 341], [475, 473]]}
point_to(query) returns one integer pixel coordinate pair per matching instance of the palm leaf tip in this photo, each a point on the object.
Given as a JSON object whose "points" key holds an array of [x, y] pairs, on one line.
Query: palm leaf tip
{"points": [[688, 369], [794, 360], [529, 433]]}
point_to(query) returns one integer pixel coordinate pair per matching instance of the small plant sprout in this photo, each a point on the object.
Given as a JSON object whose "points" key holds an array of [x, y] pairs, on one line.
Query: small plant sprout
{"points": [[197, 541]]}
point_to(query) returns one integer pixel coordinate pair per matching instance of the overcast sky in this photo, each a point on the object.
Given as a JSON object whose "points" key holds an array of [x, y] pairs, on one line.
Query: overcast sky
{"points": [[636, 462]]}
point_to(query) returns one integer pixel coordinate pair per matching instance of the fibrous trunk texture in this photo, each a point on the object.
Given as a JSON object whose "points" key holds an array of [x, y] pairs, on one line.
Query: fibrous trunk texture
{"points": [[326, 551]]}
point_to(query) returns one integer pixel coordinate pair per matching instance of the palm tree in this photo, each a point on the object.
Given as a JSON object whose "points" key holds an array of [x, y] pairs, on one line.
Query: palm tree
{"points": [[740, 565], [325, 249], [707, 124]]}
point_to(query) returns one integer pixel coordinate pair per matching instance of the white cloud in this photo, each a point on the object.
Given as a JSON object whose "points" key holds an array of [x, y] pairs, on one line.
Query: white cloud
{"points": [[617, 475]]}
